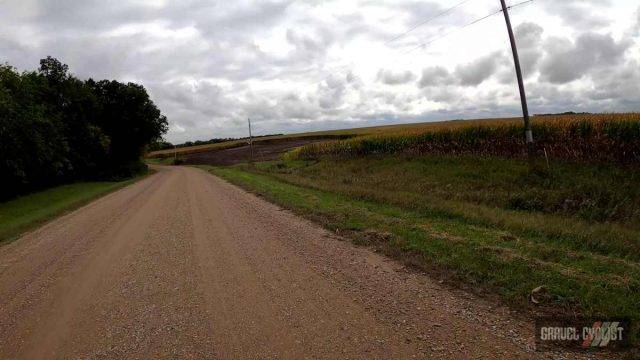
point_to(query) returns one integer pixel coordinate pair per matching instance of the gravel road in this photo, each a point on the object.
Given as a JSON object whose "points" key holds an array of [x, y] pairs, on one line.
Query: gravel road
{"points": [[185, 265]]}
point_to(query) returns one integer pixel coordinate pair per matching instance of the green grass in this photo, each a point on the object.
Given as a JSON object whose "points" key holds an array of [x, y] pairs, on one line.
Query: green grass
{"points": [[585, 207], [29, 211], [454, 218]]}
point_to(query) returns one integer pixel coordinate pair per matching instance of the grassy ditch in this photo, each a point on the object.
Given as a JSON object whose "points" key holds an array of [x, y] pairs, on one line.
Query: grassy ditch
{"points": [[27, 212], [456, 219]]}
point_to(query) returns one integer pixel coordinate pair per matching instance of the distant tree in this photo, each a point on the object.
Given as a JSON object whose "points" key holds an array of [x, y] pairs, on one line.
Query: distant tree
{"points": [[160, 144]]}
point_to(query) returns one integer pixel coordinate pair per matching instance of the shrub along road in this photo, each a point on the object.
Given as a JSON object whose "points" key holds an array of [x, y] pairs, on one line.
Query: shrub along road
{"points": [[183, 264]]}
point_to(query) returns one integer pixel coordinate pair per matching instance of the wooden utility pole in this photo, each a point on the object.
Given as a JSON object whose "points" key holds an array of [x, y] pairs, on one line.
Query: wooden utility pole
{"points": [[250, 141], [528, 133]]}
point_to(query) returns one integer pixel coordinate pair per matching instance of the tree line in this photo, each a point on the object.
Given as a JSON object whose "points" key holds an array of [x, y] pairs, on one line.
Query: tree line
{"points": [[56, 128]]}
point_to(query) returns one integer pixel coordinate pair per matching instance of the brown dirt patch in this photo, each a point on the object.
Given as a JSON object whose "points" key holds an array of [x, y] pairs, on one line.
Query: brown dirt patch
{"points": [[264, 150]]}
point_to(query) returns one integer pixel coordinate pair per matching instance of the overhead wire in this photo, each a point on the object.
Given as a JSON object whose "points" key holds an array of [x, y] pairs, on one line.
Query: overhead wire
{"points": [[441, 14], [414, 27], [433, 40], [423, 45]]}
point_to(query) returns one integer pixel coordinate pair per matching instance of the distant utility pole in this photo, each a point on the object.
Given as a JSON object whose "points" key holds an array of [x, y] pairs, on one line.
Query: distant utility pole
{"points": [[250, 141], [523, 97]]}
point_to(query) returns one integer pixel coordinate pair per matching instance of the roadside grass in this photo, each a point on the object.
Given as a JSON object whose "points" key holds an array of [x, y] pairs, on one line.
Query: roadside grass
{"points": [[588, 207], [30, 211], [449, 224]]}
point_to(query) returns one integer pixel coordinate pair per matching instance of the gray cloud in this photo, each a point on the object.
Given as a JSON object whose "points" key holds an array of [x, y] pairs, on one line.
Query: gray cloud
{"points": [[528, 34], [395, 78], [477, 71], [433, 76], [619, 87], [443, 94], [294, 107], [77, 18], [331, 92], [579, 13], [566, 61], [529, 38], [310, 47]]}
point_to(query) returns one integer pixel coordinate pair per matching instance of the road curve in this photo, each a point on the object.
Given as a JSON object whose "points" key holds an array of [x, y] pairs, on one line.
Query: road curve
{"points": [[185, 265]]}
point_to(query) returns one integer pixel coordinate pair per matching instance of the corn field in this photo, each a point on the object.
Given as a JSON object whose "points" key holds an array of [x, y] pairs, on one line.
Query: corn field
{"points": [[605, 138]]}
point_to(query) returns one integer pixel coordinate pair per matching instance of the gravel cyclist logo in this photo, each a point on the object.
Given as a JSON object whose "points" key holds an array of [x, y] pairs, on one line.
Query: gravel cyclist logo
{"points": [[582, 333], [600, 334]]}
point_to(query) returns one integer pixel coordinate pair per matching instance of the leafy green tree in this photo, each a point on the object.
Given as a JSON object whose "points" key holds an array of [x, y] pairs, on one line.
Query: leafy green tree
{"points": [[56, 128], [33, 149], [160, 144], [130, 119], [77, 107]]}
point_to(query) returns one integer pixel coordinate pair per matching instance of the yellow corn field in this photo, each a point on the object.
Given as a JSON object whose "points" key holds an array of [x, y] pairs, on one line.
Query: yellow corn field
{"points": [[609, 138]]}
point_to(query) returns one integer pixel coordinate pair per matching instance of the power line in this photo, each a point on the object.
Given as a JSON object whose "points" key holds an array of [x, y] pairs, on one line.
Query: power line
{"points": [[341, 69], [344, 67], [423, 45], [518, 4], [445, 12]]}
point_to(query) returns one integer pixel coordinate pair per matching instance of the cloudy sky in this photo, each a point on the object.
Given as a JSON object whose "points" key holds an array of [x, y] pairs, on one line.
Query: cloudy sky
{"points": [[295, 65]]}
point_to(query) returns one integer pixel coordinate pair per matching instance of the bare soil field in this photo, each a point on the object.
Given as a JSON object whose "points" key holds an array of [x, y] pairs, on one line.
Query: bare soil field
{"points": [[262, 151]]}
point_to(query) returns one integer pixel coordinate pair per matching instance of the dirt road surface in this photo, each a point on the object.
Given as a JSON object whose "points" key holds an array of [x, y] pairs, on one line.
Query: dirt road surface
{"points": [[184, 265]]}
